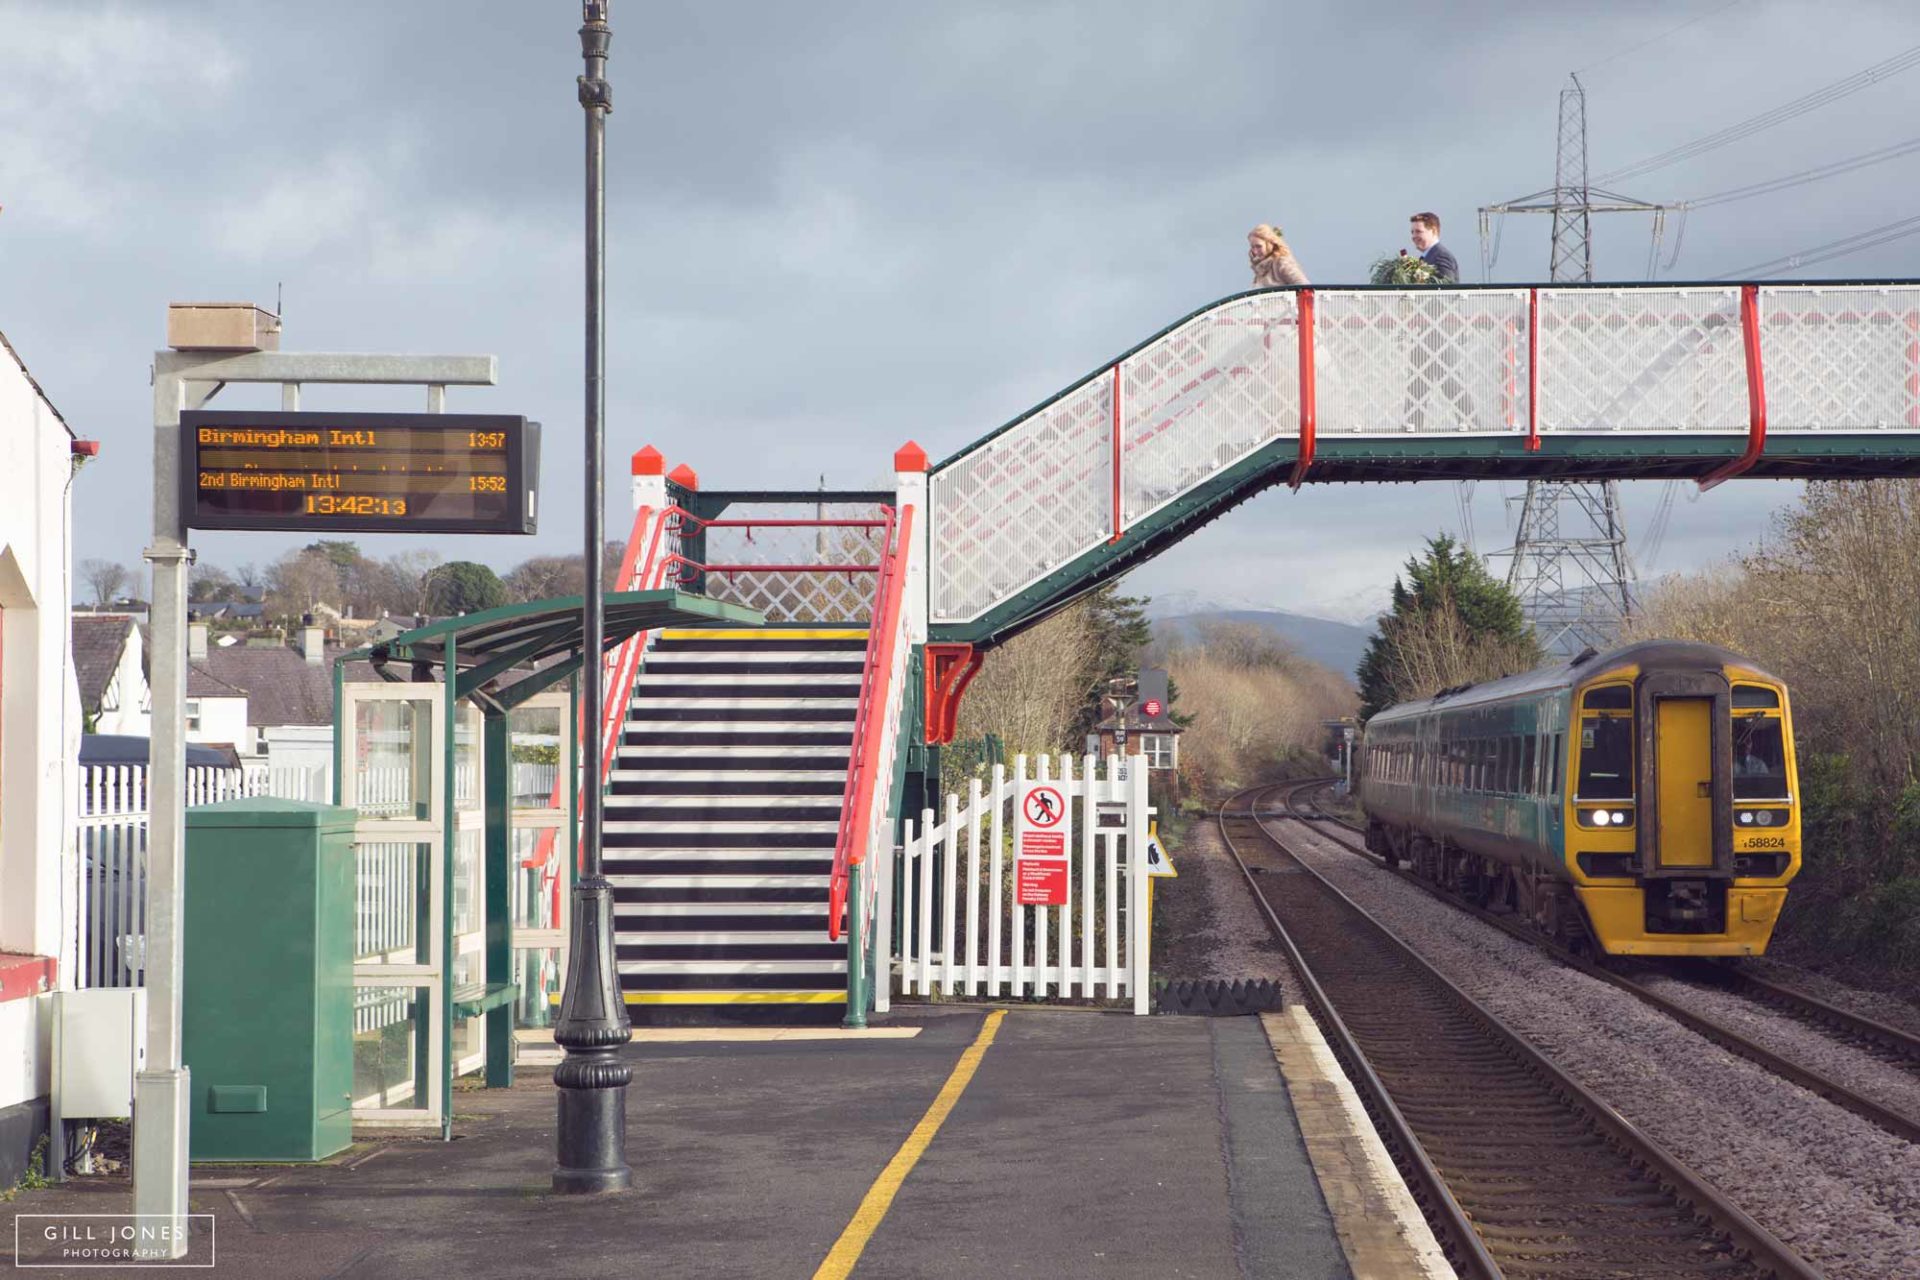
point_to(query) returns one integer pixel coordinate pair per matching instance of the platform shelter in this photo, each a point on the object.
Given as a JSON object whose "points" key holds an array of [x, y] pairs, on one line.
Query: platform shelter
{"points": [[457, 759]]}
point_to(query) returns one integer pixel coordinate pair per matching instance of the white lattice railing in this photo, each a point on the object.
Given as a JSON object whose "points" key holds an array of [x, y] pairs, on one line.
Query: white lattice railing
{"points": [[1081, 469]]}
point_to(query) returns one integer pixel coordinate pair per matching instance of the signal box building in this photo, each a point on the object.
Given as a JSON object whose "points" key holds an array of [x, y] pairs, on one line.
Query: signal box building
{"points": [[1140, 724]]}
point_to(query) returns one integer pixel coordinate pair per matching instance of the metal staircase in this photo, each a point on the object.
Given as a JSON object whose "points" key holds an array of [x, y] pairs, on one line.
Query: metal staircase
{"points": [[723, 807]]}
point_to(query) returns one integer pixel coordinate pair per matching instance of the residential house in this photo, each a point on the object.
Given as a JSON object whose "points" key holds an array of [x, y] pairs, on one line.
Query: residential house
{"points": [[40, 727], [273, 703], [109, 661]]}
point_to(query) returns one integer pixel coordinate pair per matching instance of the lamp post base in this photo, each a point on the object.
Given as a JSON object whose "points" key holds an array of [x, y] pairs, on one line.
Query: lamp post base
{"points": [[591, 1145], [593, 1140]]}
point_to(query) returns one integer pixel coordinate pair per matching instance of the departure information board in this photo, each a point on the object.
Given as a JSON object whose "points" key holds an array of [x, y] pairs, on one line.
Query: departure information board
{"points": [[359, 472]]}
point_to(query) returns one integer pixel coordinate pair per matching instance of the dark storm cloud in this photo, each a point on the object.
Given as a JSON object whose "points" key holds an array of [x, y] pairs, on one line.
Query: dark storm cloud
{"points": [[836, 226]]}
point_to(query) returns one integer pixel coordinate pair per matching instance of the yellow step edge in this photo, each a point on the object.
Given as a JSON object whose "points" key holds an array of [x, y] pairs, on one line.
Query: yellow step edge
{"points": [[736, 997], [728, 997], [756, 633]]}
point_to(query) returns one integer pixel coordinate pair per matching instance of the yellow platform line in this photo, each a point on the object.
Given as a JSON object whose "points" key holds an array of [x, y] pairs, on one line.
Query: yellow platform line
{"points": [[852, 1243], [768, 633]]}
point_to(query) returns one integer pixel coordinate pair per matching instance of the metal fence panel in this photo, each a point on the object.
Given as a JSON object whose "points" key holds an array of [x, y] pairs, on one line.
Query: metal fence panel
{"points": [[1205, 396], [1642, 360], [1421, 361], [1023, 503], [1841, 359]]}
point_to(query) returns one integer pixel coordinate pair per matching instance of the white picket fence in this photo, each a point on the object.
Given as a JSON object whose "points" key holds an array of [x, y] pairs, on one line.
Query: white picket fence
{"points": [[962, 932], [113, 853]]}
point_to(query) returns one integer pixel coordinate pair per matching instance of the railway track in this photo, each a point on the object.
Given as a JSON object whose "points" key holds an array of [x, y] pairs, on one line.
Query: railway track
{"points": [[1521, 1171], [1887, 1044]]}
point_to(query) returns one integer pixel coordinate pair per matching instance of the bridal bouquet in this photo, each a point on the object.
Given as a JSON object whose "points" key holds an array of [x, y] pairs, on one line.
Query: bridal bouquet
{"points": [[1404, 269]]}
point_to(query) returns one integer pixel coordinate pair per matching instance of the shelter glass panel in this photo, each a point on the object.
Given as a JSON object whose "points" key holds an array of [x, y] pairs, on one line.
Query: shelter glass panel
{"points": [[391, 1026], [393, 757]]}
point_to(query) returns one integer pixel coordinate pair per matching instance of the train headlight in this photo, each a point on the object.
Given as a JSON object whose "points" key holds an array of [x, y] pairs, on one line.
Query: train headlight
{"points": [[1764, 817], [1601, 818], [1746, 818]]}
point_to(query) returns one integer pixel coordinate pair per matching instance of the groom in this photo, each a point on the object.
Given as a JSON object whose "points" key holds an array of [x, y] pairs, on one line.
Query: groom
{"points": [[1425, 230], [1435, 375]]}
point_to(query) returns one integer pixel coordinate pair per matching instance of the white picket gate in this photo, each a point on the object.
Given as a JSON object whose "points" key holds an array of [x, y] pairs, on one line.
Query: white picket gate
{"points": [[962, 933]]}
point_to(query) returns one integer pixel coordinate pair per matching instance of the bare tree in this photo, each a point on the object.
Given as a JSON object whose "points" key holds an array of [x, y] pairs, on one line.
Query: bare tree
{"points": [[300, 582], [252, 581], [1030, 689], [1253, 701], [543, 577], [106, 578]]}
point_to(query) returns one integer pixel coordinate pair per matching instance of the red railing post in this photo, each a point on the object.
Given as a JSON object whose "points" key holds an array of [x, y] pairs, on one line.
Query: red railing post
{"points": [[1756, 392], [1118, 515], [1308, 408]]}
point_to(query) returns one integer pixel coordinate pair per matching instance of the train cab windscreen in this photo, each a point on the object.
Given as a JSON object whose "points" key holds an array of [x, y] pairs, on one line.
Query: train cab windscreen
{"points": [[1759, 757], [1606, 744]]}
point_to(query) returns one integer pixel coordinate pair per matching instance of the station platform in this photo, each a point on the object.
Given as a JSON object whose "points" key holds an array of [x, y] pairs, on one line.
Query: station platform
{"points": [[953, 1141]]}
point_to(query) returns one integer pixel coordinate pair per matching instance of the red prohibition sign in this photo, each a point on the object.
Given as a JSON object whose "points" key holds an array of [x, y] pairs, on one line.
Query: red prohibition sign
{"points": [[1044, 807]]}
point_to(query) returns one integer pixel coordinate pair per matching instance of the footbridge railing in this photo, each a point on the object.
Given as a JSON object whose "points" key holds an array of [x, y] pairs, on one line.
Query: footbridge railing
{"points": [[1277, 375]]}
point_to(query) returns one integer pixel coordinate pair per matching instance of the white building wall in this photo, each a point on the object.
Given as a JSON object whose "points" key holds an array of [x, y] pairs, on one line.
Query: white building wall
{"points": [[223, 720], [40, 720], [128, 694]]}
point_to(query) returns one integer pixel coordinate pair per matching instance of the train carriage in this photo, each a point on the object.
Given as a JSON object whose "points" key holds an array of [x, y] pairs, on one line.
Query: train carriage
{"points": [[1638, 802]]}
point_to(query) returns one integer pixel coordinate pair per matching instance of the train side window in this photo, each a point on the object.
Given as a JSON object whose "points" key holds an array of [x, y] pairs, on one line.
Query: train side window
{"points": [[1529, 767], [1509, 766], [1556, 772]]}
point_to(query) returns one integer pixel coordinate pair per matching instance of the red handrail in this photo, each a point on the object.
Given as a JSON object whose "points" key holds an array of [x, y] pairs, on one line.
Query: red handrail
{"points": [[856, 800], [1309, 405], [1756, 392], [648, 570]]}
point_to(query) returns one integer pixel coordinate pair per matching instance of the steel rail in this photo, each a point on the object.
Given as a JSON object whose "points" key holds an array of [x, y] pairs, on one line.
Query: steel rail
{"points": [[1897, 1123], [1891, 1041], [1689, 1191], [1462, 1243]]}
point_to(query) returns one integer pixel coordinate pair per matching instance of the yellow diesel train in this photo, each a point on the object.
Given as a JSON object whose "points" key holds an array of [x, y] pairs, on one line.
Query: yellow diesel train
{"points": [[1638, 802]]}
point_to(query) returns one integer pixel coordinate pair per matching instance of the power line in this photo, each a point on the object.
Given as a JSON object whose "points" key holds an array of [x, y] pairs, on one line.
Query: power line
{"points": [[1835, 249], [1671, 31], [1778, 115], [1815, 174]]}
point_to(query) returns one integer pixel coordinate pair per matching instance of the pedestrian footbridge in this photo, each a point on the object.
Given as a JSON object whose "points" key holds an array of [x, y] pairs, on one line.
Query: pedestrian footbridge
{"points": [[760, 781]]}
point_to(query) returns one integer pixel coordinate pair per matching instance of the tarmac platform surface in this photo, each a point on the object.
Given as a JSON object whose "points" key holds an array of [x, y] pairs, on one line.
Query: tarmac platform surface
{"points": [[1084, 1143]]}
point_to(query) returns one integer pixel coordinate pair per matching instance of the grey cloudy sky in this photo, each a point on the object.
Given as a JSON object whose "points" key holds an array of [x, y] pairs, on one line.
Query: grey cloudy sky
{"points": [[835, 226]]}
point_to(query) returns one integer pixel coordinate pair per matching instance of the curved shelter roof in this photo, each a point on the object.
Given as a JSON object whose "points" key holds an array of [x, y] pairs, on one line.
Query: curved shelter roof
{"points": [[510, 653]]}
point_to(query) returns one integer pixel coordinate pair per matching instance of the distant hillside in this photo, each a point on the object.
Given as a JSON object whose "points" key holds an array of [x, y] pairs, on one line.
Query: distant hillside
{"points": [[1338, 645]]}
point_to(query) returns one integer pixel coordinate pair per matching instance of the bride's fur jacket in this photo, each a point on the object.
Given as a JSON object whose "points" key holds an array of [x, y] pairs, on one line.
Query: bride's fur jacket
{"points": [[1272, 262]]}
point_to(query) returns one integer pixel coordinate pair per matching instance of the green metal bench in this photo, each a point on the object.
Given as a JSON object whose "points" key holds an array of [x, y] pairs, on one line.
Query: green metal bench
{"points": [[476, 998]]}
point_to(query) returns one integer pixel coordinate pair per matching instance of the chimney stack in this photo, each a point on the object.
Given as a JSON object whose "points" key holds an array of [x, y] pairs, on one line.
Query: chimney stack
{"points": [[313, 641], [196, 640]]}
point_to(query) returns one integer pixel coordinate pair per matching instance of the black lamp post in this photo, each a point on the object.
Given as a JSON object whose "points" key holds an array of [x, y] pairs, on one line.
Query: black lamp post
{"points": [[592, 1080]]}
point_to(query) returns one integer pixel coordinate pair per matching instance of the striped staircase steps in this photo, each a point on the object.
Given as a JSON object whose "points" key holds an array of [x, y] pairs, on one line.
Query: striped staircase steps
{"points": [[721, 814]]}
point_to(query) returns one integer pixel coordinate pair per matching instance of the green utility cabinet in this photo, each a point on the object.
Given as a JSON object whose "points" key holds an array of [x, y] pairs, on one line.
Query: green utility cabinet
{"points": [[267, 1016]]}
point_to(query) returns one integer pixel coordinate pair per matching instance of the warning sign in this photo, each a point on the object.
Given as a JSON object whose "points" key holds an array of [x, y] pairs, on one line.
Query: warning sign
{"points": [[1157, 862], [1043, 834], [1044, 806]]}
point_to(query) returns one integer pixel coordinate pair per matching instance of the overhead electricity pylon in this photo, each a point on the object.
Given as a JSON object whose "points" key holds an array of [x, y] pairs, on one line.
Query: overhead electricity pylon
{"points": [[1569, 563]]}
